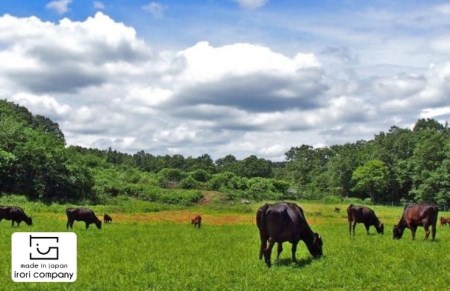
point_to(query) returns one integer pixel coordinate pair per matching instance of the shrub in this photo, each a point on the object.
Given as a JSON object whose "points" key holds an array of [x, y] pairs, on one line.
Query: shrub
{"points": [[201, 175], [189, 183]]}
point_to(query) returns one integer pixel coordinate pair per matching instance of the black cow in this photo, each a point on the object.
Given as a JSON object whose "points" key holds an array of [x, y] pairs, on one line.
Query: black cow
{"points": [[82, 214], [416, 215], [107, 218], [282, 222], [197, 221], [365, 215], [15, 214]]}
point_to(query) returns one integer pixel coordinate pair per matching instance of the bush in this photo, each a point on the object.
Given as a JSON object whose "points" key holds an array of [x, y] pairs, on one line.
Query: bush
{"points": [[220, 180], [169, 178], [201, 175], [189, 183]]}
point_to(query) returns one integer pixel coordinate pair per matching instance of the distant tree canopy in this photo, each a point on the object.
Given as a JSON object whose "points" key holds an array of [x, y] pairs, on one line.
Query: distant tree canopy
{"points": [[400, 164]]}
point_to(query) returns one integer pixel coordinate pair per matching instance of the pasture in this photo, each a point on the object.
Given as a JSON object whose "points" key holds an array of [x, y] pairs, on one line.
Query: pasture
{"points": [[163, 251]]}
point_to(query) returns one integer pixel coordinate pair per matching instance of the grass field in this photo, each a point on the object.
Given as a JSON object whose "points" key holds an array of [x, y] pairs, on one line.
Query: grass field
{"points": [[162, 251]]}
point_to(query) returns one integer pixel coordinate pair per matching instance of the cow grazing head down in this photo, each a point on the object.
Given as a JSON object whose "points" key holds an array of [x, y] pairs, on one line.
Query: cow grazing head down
{"points": [[16, 214], [380, 228], [82, 214], [316, 247], [415, 215], [28, 220], [281, 222], [397, 232]]}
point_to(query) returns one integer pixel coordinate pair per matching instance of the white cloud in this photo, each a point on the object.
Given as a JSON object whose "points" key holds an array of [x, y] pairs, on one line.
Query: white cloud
{"points": [[157, 10], [60, 6], [251, 4], [107, 87], [99, 5]]}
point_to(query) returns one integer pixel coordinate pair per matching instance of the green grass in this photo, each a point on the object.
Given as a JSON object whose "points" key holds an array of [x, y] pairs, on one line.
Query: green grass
{"points": [[130, 255]]}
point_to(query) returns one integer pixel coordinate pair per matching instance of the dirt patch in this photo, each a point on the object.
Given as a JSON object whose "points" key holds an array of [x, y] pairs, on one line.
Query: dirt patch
{"points": [[183, 216]]}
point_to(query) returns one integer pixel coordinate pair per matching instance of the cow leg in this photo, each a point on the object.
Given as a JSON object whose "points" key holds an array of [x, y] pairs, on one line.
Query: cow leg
{"points": [[353, 227], [413, 232], [350, 227], [433, 231], [12, 223], [367, 228], [268, 252], [262, 249], [294, 250], [279, 250], [87, 225], [427, 232]]}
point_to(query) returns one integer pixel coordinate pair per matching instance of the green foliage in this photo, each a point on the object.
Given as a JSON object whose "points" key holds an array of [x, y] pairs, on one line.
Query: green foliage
{"points": [[169, 178], [201, 175], [189, 183], [371, 178]]}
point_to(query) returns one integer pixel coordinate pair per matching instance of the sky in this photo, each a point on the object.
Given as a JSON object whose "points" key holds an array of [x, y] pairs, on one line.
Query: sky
{"points": [[219, 77]]}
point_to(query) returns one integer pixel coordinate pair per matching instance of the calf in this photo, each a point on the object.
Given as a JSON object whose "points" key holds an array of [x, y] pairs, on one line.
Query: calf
{"points": [[337, 209], [417, 215], [82, 214], [15, 214], [365, 215], [197, 221], [445, 221], [107, 218]]}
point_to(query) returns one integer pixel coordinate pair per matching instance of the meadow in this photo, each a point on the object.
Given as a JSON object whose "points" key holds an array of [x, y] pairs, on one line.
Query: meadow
{"points": [[158, 249]]}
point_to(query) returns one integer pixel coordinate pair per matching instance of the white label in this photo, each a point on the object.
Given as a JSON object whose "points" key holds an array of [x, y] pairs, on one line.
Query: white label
{"points": [[44, 257]]}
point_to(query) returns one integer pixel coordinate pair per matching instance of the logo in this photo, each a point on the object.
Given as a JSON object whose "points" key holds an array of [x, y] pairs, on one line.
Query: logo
{"points": [[44, 257], [51, 249]]}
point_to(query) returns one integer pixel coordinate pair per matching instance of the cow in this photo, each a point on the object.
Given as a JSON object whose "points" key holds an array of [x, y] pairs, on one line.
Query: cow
{"points": [[337, 209], [361, 214], [445, 221], [416, 215], [107, 218], [82, 214], [15, 214], [197, 221], [282, 222]]}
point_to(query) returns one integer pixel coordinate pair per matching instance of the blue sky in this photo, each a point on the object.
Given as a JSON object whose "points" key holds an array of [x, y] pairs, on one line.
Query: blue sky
{"points": [[225, 77]]}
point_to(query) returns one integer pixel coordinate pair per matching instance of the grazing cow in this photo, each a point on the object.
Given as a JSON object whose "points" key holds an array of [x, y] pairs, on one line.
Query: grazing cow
{"points": [[445, 221], [365, 215], [417, 215], [337, 209], [282, 222], [107, 218], [82, 214], [197, 221], [15, 214]]}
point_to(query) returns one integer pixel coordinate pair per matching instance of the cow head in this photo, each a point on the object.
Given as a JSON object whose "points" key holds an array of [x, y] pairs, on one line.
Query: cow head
{"points": [[316, 248], [380, 228], [28, 220], [98, 224], [397, 232]]}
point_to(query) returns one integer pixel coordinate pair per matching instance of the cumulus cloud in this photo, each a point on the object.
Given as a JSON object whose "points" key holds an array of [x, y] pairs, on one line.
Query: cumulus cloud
{"points": [[60, 6], [107, 87]]}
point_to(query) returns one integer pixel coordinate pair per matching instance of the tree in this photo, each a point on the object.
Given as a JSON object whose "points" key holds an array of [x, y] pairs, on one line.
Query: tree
{"points": [[371, 178]]}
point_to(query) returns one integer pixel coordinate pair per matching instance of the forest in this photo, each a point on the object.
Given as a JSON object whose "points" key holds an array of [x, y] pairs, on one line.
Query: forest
{"points": [[397, 166]]}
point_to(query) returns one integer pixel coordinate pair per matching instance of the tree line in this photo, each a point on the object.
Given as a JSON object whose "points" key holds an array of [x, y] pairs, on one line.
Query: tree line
{"points": [[398, 165]]}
